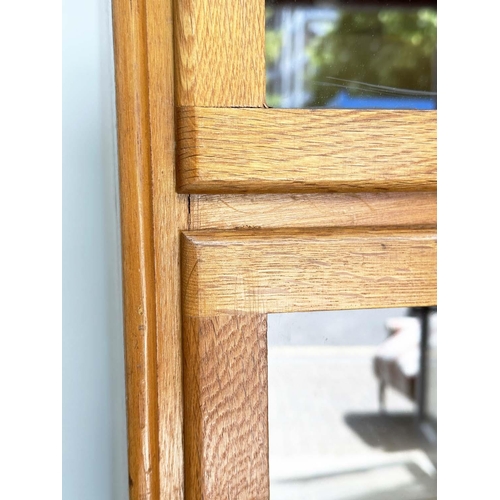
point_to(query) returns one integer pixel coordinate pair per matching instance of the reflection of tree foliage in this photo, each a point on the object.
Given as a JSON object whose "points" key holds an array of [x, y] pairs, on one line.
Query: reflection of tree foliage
{"points": [[389, 47], [273, 50], [273, 41]]}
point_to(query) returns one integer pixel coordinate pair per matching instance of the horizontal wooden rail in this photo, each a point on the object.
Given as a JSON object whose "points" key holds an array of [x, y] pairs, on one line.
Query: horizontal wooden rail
{"points": [[229, 211], [245, 150], [262, 271]]}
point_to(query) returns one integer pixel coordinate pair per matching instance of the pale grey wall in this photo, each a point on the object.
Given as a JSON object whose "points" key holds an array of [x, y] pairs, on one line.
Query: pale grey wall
{"points": [[94, 422]]}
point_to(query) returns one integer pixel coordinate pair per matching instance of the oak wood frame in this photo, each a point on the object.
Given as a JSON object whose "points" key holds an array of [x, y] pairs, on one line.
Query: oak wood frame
{"points": [[213, 442], [249, 150]]}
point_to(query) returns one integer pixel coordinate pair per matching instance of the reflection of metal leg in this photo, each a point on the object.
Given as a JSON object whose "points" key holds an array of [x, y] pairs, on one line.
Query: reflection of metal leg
{"points": [[422, 377], [381, 396]]}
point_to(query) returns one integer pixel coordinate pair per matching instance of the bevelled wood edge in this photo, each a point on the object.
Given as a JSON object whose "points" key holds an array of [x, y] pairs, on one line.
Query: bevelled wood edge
{"points": [[170, 213], [223, 151], [299, 210], [137, 246], [225, 401], [220, 53], [294, 270]]}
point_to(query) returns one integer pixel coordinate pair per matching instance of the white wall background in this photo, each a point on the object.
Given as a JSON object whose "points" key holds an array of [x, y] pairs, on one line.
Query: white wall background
{"points": [[94, 421]]}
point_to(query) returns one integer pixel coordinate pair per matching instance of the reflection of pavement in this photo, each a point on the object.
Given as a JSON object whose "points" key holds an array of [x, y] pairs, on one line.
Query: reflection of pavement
{"points": [[327, 438], [361, 327]]}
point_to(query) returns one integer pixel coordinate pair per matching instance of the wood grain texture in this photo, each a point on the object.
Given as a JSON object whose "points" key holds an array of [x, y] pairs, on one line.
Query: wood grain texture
{"points": [[306, 150], [225, 398], [137, 246], [263, 271], [169, 216], [220, 53], [311, 210]]}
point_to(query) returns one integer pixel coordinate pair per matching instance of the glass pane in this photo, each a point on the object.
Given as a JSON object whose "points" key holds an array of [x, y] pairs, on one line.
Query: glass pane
{"points": [[345, 418], [344, 54]]}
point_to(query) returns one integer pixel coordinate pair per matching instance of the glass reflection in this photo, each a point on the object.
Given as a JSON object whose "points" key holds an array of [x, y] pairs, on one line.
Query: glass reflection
{"points": [[338, 55], [347, 418]]}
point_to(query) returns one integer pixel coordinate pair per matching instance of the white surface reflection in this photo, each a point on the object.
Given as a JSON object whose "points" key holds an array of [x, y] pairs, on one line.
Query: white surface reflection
{"points": [[328, 437]]}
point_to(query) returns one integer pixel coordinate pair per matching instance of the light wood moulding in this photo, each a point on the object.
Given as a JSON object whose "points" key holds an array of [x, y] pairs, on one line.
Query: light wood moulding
{"points": [[136, 209], [263, 271], [170, 212], [306, 150], [152, 215], [311, 210]]}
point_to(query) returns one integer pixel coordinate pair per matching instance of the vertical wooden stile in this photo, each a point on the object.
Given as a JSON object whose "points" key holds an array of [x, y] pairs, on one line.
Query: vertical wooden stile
{"points": [[170, 215], [220, 63], [225, 391], [220, 53]]}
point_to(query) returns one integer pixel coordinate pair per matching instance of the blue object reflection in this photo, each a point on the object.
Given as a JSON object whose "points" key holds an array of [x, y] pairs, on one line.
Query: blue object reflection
{"points": [[344, 100]]}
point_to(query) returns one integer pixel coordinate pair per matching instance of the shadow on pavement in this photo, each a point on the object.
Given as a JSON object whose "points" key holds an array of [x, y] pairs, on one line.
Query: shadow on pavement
{"points": [[390, 432]]}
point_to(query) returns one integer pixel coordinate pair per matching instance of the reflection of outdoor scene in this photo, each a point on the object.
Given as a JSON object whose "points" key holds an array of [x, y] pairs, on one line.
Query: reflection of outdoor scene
{"points": [[350, 416], [358, 57]]}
